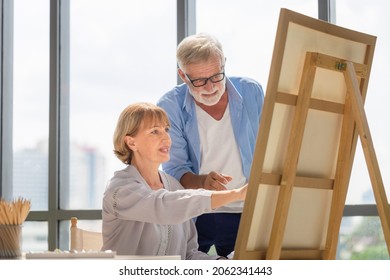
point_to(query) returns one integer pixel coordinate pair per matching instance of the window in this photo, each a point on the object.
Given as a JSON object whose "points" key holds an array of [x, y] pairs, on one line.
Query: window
{"points": [[371, 19], [115, 55], [119, 52], [366, 232], [247, 31], [31, 112]]}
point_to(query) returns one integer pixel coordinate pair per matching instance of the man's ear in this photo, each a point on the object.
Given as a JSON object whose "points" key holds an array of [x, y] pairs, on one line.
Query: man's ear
{"points": [[130, 142], [182, 75]]}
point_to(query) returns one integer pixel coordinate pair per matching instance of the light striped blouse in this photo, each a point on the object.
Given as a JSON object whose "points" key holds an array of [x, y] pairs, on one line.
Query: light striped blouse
{"points": [[140, 221]]}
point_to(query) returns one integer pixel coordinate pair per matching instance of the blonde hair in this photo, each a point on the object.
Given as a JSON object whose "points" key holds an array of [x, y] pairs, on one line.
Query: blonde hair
{"points": [[129, 123], [198, 48]]}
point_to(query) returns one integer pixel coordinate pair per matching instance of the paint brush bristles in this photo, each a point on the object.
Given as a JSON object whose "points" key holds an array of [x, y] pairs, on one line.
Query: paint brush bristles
{"points": [[15, 212], [12, 215]]}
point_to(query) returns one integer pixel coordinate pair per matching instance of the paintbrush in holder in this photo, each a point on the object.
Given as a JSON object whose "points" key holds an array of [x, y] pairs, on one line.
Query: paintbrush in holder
{"points": [[12, 216]]}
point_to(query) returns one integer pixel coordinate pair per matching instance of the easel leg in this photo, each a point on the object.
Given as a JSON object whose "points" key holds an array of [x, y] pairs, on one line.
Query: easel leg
{"points": [[369, 152], [342, 177]]}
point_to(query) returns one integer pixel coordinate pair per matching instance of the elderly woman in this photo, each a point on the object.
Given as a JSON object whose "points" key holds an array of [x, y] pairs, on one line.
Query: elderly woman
{"points": [[146, 211]]}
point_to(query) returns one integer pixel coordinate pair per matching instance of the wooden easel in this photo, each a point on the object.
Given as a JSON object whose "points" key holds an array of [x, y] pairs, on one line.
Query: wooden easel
{"points": [[312, 118], [354, 122]]}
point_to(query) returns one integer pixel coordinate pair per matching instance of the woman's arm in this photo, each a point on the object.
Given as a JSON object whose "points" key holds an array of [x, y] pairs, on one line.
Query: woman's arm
{"points": [[221, 198]]}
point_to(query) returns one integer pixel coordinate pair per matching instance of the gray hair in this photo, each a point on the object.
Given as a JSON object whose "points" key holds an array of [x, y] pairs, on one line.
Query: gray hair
{"points": [[198, 48]]}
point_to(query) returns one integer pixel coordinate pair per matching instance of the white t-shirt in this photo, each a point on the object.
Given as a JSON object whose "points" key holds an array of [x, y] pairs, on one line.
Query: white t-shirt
{"points": [[219, 152]]}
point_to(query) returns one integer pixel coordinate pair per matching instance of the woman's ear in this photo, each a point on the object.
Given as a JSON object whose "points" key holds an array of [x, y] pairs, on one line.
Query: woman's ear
{"points": [[130, 142]]}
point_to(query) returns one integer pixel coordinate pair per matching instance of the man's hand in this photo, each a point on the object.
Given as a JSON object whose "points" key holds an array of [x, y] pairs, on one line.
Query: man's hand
{"points": [[216, 181]]}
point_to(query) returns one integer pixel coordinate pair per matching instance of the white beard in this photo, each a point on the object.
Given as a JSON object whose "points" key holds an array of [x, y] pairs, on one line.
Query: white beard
{"points": [[208, 99]]}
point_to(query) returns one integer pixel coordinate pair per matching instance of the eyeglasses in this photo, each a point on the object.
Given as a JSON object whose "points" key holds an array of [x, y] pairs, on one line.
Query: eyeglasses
{"points": [[203, 81]]}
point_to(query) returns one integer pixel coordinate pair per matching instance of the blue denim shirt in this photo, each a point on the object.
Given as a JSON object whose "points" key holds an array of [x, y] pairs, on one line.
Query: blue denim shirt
{"points": [[246, 99]]}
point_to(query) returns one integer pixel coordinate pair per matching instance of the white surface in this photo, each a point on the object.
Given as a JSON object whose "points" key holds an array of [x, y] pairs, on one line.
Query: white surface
{"points": [[91, 255]]}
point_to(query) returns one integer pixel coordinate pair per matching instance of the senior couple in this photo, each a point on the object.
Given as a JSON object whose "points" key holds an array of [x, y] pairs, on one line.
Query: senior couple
{"points": [[202, 133]]}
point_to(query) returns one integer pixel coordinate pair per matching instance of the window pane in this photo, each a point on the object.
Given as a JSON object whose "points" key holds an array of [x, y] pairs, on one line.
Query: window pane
{"points": [[120, 53], [247, 31], [373, 19], [361, 238], [31, 101], [34, 236]]}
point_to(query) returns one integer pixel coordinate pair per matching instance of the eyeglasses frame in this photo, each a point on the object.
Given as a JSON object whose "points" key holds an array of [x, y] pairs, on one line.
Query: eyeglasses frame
{"points": [[207, 79]]}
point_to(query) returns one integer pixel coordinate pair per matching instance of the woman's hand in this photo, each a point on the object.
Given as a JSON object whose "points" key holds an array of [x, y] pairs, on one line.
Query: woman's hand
{"points": [[242, 192], [221, 198]]}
